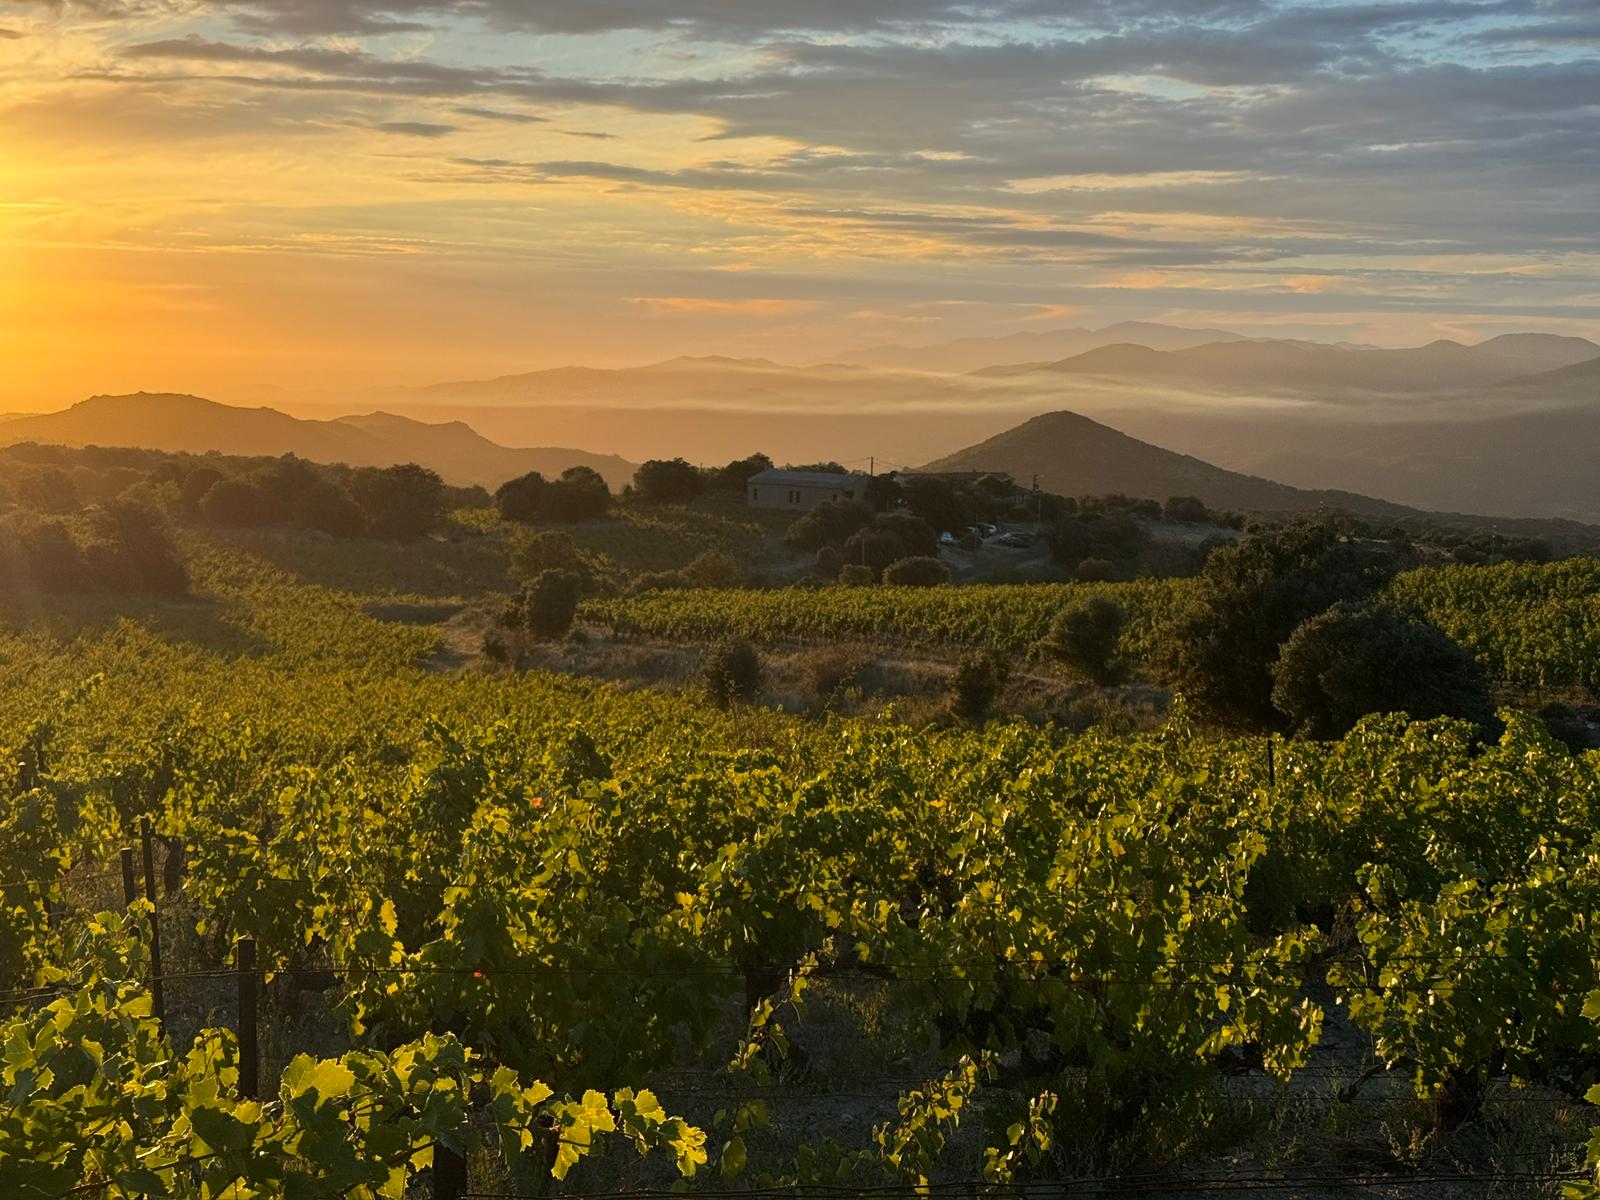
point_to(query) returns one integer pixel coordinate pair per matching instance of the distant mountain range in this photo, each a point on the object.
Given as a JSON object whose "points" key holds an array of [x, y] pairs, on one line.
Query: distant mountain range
{"points": [[971, 354], [1315, 367], [188, 423]]}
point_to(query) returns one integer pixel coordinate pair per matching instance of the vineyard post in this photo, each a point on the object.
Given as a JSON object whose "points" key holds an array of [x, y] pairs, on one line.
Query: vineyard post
{"points": [[449, 1173], [244, 955], [158, 1002], [1272, 762], [130, 890]]}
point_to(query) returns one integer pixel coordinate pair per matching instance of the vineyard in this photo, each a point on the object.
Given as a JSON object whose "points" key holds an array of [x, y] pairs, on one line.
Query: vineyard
{"points": [[529, 935], [1533, 625], [1007, 617]]}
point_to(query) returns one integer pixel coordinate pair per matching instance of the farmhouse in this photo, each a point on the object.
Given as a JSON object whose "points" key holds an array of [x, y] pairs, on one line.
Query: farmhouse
{"points": [[803, 490]]}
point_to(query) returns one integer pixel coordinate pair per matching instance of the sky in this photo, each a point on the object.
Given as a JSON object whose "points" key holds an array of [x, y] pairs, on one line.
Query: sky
{"points": [[208, 195]]}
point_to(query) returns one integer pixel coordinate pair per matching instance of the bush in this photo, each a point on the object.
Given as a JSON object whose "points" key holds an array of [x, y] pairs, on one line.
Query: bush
{"points": [[829, 524], [978, 680], [581, 494], [667, 481], [1096, 570], [1190, 510], [856, 575], [131, 551], [917, 572], [197, 484], [237, 503], [401, 502], [1245, 604], [1085, 636], [550, 602], [732, 671], [714, 569], [1115, 536], [828, 670], [735, 477], [39, 555], [552, 550], [829, 561], [1348, 662], [519, 499]]}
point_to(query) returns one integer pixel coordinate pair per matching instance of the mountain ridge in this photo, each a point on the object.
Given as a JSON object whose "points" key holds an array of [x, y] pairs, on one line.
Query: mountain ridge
{"points": [[179, 422]]}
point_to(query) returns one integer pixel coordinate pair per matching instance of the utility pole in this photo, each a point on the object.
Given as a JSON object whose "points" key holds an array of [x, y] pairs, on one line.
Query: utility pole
{"points": [[872, 465], [1038, 499]]}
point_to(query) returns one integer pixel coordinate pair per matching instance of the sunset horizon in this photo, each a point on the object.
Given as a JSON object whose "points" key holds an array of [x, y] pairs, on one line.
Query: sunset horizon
{"points": [[216, 196]]}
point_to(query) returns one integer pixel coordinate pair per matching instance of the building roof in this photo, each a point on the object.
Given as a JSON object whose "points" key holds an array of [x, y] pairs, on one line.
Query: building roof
{"points": [[809, 479]]}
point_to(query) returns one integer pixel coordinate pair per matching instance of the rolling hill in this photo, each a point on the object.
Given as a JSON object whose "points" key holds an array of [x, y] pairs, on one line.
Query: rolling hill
{"points": [[1074, 456], [189, 423]]}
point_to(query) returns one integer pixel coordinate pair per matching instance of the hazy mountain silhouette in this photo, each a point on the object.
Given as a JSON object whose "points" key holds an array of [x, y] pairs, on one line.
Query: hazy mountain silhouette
{"points": [[1074, 456], [1290, 366], [970, 354], [196, 425]]}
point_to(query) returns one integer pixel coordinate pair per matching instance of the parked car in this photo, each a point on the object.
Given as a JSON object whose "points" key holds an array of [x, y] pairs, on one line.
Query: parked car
{"points": [[947, 538], [1017, 541]]}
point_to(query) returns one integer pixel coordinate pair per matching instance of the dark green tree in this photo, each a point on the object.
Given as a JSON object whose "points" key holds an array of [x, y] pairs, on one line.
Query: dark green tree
{"points": [[1248, 599], [1351, 661]]}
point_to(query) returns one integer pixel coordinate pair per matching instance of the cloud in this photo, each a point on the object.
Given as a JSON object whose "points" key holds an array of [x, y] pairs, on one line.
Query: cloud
{"points": [[510, 118], [699, 306], [421, 129]]}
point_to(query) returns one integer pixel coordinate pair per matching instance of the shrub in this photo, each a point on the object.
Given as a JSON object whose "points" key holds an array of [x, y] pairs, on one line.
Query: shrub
{"points": [[667, 481], [1096, 570], [1190, 510], [131, 551], [550, 602], [401, 502], [552, 550], [1109, 535], [518, 499], [828, 670], [829, 524], [1348, 662], [714, 569], [732, 671], [829, 561], [1085, 636], [736, 475], [978, 680], [237, 503], [856, 575], [196, 485], [917, 572], [581, 494], [38, 555], [1247, 601]]}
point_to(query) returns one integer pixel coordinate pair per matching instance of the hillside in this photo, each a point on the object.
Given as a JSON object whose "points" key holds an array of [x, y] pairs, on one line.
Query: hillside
{"points": [[1075, 456], [1287, 366], [970, 354], [196, 425]]}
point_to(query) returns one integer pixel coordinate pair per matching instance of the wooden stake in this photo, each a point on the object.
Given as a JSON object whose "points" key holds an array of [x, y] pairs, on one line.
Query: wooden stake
{"points": [[158, 1000], [130, 889], [244, 957], [449, 1174]]}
